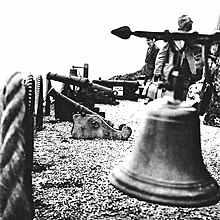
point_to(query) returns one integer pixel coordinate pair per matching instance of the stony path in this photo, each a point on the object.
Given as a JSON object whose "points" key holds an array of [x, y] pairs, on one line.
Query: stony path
{"points": [[70, 177]]}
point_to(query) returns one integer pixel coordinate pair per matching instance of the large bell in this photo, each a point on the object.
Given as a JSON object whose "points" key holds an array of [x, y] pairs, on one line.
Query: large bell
{"points": [[166, 165]]}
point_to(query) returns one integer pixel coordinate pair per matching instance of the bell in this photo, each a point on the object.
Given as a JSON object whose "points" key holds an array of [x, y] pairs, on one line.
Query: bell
{"points": [[166, 166]]}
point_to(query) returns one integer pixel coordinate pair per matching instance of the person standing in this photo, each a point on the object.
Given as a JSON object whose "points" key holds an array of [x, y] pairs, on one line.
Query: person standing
{"points": [[212, 112], [149, 66], [181, 56]]}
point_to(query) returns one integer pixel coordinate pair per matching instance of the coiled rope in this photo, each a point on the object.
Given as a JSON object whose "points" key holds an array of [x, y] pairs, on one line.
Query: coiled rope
{"points": [[13, 200]]}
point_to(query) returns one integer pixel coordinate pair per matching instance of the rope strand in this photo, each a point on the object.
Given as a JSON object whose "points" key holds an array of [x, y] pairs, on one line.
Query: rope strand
{"points": [[13, 200]]}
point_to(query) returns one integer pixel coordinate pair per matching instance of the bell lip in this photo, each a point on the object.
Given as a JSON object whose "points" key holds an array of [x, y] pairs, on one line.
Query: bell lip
{"points": [[206, 181], [188, 196]]}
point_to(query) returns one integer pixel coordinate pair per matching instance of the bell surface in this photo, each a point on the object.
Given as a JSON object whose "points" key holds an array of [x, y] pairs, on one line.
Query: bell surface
{"points": [[166, 164]]}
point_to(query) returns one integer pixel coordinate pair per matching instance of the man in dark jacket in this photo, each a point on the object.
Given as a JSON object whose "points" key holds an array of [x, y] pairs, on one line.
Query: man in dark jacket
{"points": [[183, 57], [149, 66]]}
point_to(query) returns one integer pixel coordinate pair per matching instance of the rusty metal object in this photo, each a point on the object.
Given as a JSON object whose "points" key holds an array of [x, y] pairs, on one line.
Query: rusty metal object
{"points": [[89, 124], [70, 105], [73, 80], [93, 126], [86, 91], [106, 90], [166, 165], [81, 82], [81, 91], [123, 89]]}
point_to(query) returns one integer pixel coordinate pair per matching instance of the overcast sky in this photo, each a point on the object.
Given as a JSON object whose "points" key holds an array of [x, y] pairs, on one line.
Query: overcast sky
{"points": [[44, 36]]}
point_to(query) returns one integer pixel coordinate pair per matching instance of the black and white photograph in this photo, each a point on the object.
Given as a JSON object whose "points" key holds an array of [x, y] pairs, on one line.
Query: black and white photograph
{"points": [[110, 110]]}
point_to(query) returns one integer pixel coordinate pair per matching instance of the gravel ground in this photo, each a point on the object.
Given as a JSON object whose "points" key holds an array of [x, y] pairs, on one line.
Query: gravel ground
{"points": [[70, 177]]}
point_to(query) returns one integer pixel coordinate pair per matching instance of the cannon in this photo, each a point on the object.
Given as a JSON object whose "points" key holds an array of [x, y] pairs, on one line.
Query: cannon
{"points": [[82, 90], [72, 80], [65, 107], [69, 103], [88, 124], [124, 89], [81, 82]]}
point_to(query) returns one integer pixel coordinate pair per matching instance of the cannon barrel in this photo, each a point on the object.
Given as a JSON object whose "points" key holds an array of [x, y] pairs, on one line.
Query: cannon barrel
{"points": [[73, 80], [80, 108], [124, 89], [81, 82], [111, 83], [105, 89]]}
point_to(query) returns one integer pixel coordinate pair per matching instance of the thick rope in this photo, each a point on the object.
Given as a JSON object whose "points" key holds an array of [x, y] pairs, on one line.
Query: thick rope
{"points": [[13, 200]]}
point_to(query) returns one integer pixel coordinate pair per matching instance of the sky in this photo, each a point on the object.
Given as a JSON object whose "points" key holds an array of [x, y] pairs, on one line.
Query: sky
{"points": [[41, 36]]}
